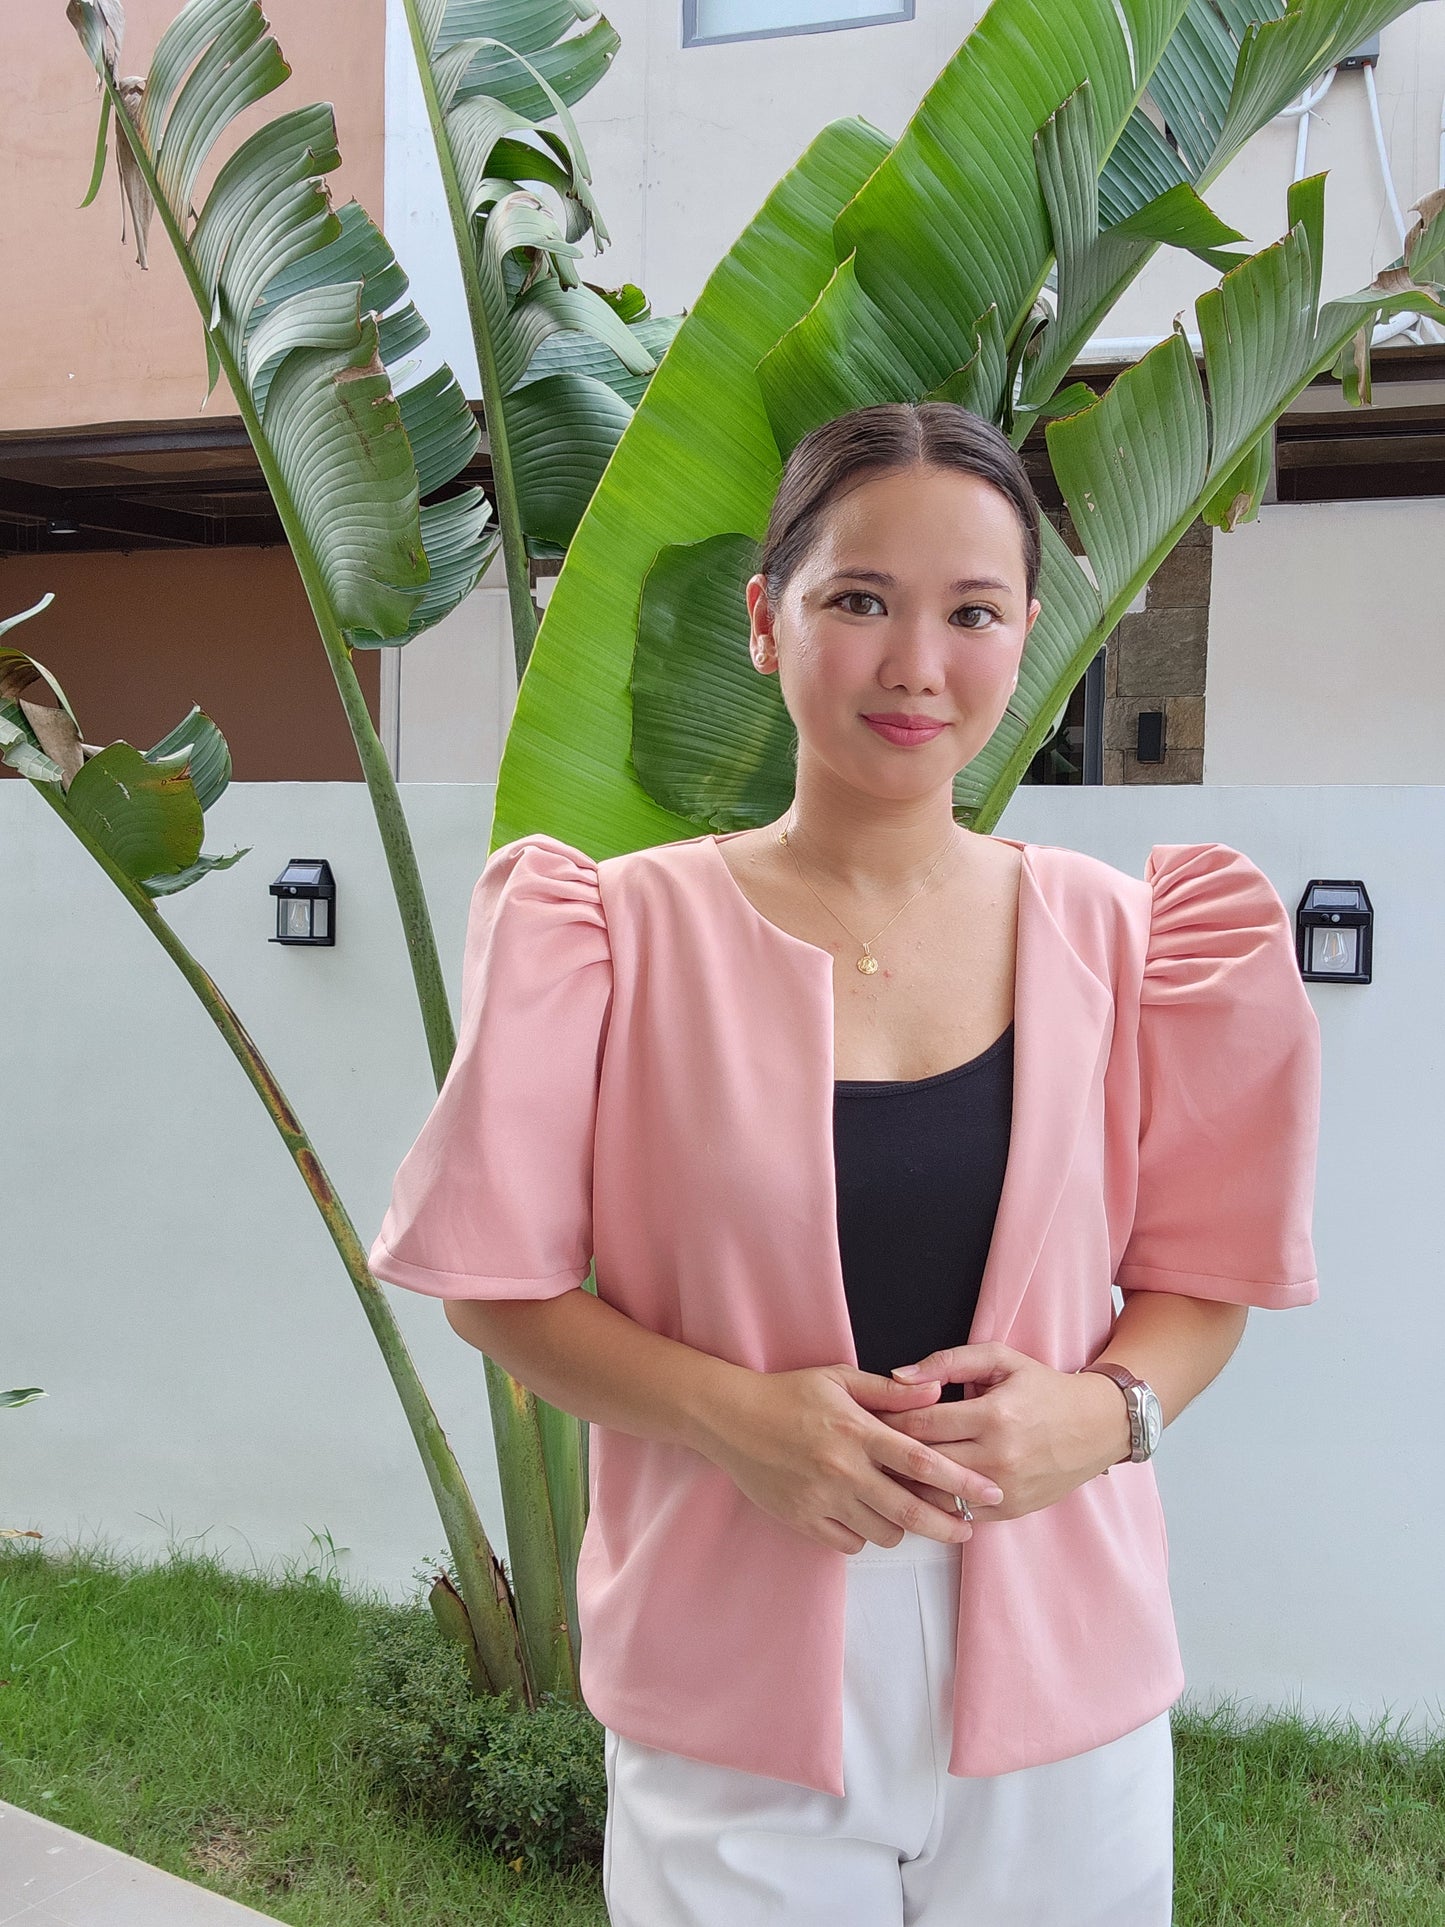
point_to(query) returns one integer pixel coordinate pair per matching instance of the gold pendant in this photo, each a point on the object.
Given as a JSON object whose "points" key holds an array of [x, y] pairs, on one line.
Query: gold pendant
{"points": [[867, 963]]}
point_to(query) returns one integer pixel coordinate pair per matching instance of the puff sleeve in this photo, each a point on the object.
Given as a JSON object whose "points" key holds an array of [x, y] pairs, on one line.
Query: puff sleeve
{"points": [[494, 1198], [1229, 1074]]}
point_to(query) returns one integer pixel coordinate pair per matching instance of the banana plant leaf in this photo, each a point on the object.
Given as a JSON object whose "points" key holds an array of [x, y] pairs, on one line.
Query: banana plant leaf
{"points": [[875, 274], [303, 311], [144, 809], [562, 361]]}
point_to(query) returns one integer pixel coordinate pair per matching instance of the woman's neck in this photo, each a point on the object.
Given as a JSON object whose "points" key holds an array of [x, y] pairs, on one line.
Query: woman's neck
{"points": [[869, 847]]}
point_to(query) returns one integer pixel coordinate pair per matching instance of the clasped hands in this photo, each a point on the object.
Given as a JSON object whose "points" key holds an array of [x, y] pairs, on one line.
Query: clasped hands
{"points": [[842, 1455], [1035, 1431]]}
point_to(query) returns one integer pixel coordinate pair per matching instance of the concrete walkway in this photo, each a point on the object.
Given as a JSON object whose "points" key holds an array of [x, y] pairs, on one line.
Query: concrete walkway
{"points": [[51, 1877]]}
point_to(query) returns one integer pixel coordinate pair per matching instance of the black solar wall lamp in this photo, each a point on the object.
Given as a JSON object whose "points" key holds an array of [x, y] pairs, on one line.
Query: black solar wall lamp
{"points": [[305, 894], [1334, 928]]}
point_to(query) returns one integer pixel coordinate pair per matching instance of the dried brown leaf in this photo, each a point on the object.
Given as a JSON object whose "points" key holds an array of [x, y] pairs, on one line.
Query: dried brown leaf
{"points": [[50, 724], [134, 189]]}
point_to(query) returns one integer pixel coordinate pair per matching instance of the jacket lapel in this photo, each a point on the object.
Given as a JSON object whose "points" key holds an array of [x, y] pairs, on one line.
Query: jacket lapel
{"points": [[1061, 1014]]}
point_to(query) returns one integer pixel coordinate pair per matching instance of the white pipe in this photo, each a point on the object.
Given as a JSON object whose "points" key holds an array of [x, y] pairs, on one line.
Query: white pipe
{"points": [[1381, 149], [1301, 108], [1308, 99]]}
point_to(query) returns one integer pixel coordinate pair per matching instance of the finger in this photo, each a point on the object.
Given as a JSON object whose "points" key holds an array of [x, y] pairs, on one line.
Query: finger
{"points": [[908, 1513], [955, 1422], [918, 1460], [957, 1364], [931, 1495], [872, 1389], [840, 1537]]}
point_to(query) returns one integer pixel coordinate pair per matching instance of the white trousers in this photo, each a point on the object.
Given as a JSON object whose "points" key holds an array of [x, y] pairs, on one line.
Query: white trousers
{"points": [[1081, 1842]]}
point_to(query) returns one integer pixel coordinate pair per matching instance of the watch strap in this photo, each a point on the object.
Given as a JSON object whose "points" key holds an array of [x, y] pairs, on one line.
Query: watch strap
{"points": [[1120, 1374], [1124, 1379]]}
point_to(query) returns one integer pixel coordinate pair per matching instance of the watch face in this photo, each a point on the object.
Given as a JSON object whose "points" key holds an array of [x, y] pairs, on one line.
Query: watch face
{"points": [[1153, 1420]]}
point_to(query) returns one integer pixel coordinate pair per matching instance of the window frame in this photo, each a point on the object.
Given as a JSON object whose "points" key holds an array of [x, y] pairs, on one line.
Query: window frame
{"points": [[905, 11]]}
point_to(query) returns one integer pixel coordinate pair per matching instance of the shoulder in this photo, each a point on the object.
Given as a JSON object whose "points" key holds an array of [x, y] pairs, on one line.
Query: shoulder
{"points": [[1088, 894], [543, 871], [1200, 911], [1210, 887], [634, 881], [534, 888], [1215, 876]]}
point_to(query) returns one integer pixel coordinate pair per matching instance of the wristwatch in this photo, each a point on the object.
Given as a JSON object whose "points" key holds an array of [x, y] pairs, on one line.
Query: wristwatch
{"points": [[1146, 1420]]}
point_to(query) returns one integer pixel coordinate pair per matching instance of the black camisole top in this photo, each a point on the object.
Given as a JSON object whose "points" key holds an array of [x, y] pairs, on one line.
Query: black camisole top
{"points": [[920, 1167]]}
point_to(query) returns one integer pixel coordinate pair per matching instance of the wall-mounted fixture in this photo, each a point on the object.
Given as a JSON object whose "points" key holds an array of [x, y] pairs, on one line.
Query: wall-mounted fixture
{"points": [[305, 894], [1149, 736], [1334, 926]]}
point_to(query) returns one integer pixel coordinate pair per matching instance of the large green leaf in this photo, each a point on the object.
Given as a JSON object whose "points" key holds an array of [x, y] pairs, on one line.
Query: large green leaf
{"points": [[924, 280], [955, 217], [1138, 466], [561, 361], [304, 310], [697, 460], [292, 296], [1227, 70]]}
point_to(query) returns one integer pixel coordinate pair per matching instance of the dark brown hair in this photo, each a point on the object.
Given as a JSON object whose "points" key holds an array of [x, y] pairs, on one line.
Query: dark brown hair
{"points": [[885, 437]]}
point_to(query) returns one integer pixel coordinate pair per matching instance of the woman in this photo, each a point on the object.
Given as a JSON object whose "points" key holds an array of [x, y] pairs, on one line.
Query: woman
{"points": [[824, 1100]]}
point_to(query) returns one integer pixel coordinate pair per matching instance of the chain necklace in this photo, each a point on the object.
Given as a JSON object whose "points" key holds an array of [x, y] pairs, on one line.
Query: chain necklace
{"points": [[867, 963]]}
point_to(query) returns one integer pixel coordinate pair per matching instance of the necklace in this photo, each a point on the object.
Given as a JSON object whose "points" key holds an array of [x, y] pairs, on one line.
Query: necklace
{"points": [[867, 963]]}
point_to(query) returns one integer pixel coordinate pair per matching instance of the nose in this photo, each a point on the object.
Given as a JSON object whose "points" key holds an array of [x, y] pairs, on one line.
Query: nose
{"points": [[916, 655]]}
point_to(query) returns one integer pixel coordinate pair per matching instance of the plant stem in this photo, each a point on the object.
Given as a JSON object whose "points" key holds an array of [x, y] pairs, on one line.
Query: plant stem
{"points": [[509, 514], [482, 1584]]}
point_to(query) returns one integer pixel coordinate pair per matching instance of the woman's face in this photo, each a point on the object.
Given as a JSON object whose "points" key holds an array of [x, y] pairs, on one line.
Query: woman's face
{"points": [[910, 602]]}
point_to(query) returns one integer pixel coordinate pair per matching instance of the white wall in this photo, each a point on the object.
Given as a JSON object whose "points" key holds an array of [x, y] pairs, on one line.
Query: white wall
{"points": [[211, 1377], [1327, 645]]}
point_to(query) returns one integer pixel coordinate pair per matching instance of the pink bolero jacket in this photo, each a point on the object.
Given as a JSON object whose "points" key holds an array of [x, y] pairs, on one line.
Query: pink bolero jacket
{"points": [[644, 1073]]}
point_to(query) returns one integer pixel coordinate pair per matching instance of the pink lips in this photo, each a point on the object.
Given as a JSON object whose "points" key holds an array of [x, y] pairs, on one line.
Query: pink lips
{"points": [[904, 734]]}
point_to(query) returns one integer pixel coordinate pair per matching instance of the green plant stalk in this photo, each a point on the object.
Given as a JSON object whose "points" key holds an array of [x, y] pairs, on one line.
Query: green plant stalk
{"points": [[549, 1660], [492, 1621], [541, 1511], [509, 514], [381, 784]]}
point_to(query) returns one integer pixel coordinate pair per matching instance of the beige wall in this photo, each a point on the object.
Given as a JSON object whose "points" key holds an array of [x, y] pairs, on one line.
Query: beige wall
{"points": [[134, 640], [85, 335], [1327, 646]]}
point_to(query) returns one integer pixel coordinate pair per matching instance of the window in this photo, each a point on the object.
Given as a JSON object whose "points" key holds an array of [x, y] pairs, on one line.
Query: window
{"points": [[704, 21]]}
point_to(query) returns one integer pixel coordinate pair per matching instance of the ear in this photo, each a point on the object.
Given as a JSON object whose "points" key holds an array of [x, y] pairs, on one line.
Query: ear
{"points": [[761, 641]]}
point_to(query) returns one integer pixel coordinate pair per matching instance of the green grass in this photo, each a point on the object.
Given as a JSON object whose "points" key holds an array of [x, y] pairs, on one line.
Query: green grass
{"points": [[1313, 1824], [193, 1715]]}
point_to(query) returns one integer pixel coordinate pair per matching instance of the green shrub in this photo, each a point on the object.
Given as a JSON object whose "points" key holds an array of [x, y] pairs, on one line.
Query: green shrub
{"points": [[530, 1785]]}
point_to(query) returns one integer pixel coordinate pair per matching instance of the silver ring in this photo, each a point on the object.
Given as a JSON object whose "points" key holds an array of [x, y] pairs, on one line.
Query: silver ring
{"points": [[960, 1504]]}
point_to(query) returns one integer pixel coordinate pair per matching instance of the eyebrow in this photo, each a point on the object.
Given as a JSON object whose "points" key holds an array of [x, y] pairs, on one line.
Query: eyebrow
{"points": [[890, 582]]}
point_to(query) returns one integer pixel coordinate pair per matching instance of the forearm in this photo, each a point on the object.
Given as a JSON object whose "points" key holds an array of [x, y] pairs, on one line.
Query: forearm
{"points": [[585, 1357], [1178, 1344]]}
